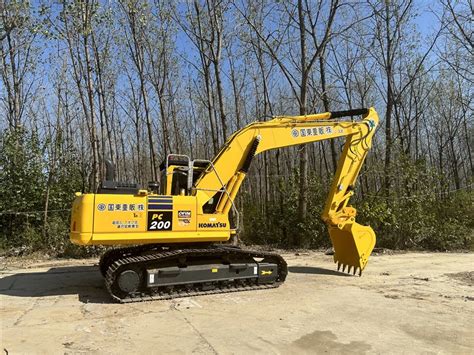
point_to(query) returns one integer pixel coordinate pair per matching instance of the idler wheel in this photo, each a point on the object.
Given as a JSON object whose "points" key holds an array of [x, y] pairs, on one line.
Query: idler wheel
{"points": [[128, 281]]}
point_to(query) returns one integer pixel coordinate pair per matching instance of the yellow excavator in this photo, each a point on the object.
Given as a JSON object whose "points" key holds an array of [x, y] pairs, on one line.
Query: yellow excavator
{"points": [[176, 229]]}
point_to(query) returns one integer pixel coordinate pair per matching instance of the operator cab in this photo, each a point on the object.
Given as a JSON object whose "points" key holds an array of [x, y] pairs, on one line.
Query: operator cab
{"points": [[178, 173]]}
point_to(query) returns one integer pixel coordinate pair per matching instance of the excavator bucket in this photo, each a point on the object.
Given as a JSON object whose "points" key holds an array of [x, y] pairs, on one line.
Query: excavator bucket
{"points": [[352, 246]]}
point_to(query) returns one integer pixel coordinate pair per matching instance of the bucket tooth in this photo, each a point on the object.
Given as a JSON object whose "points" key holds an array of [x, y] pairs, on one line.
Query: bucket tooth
{"points": [[338, 266], [355, 270], [344, 267]]}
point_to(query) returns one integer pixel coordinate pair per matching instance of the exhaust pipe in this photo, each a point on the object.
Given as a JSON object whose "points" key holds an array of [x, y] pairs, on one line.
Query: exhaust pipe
{"points": [[109, 170]]}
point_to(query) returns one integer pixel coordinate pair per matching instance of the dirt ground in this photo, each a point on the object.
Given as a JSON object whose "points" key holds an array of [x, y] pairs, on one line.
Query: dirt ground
{"points": [[403, 303]]}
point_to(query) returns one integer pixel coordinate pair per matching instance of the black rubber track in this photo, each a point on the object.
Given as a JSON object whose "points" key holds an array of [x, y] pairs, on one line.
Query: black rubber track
{"points": [[113, 254], [141, 263]]}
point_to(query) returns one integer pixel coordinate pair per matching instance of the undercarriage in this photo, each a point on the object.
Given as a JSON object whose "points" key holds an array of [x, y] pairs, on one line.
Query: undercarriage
{"points": [[154, 272]]}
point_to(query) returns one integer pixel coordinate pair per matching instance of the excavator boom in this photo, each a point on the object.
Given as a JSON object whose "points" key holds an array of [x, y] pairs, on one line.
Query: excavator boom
{"points": [[352, 242]]}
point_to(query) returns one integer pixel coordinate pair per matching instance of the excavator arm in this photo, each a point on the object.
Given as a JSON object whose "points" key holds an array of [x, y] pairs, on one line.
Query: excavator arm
{"points": [[352, 242]]}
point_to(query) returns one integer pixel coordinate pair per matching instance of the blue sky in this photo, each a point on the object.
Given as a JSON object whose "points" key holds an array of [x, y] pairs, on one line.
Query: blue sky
{"points": [[426, 22]]}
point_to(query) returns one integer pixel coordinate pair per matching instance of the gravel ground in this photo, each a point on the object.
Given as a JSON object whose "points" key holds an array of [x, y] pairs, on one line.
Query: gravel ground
{"points": [[403, 303]]}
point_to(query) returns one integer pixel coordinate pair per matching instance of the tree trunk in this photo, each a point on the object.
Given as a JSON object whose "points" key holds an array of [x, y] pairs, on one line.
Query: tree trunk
{"points": [[327, 108], [303, 154], [96, 173]]}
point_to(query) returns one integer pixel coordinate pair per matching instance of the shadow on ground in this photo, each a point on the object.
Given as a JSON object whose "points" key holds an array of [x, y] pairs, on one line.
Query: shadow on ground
{"points": [[85, 281], [315, 271]]}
